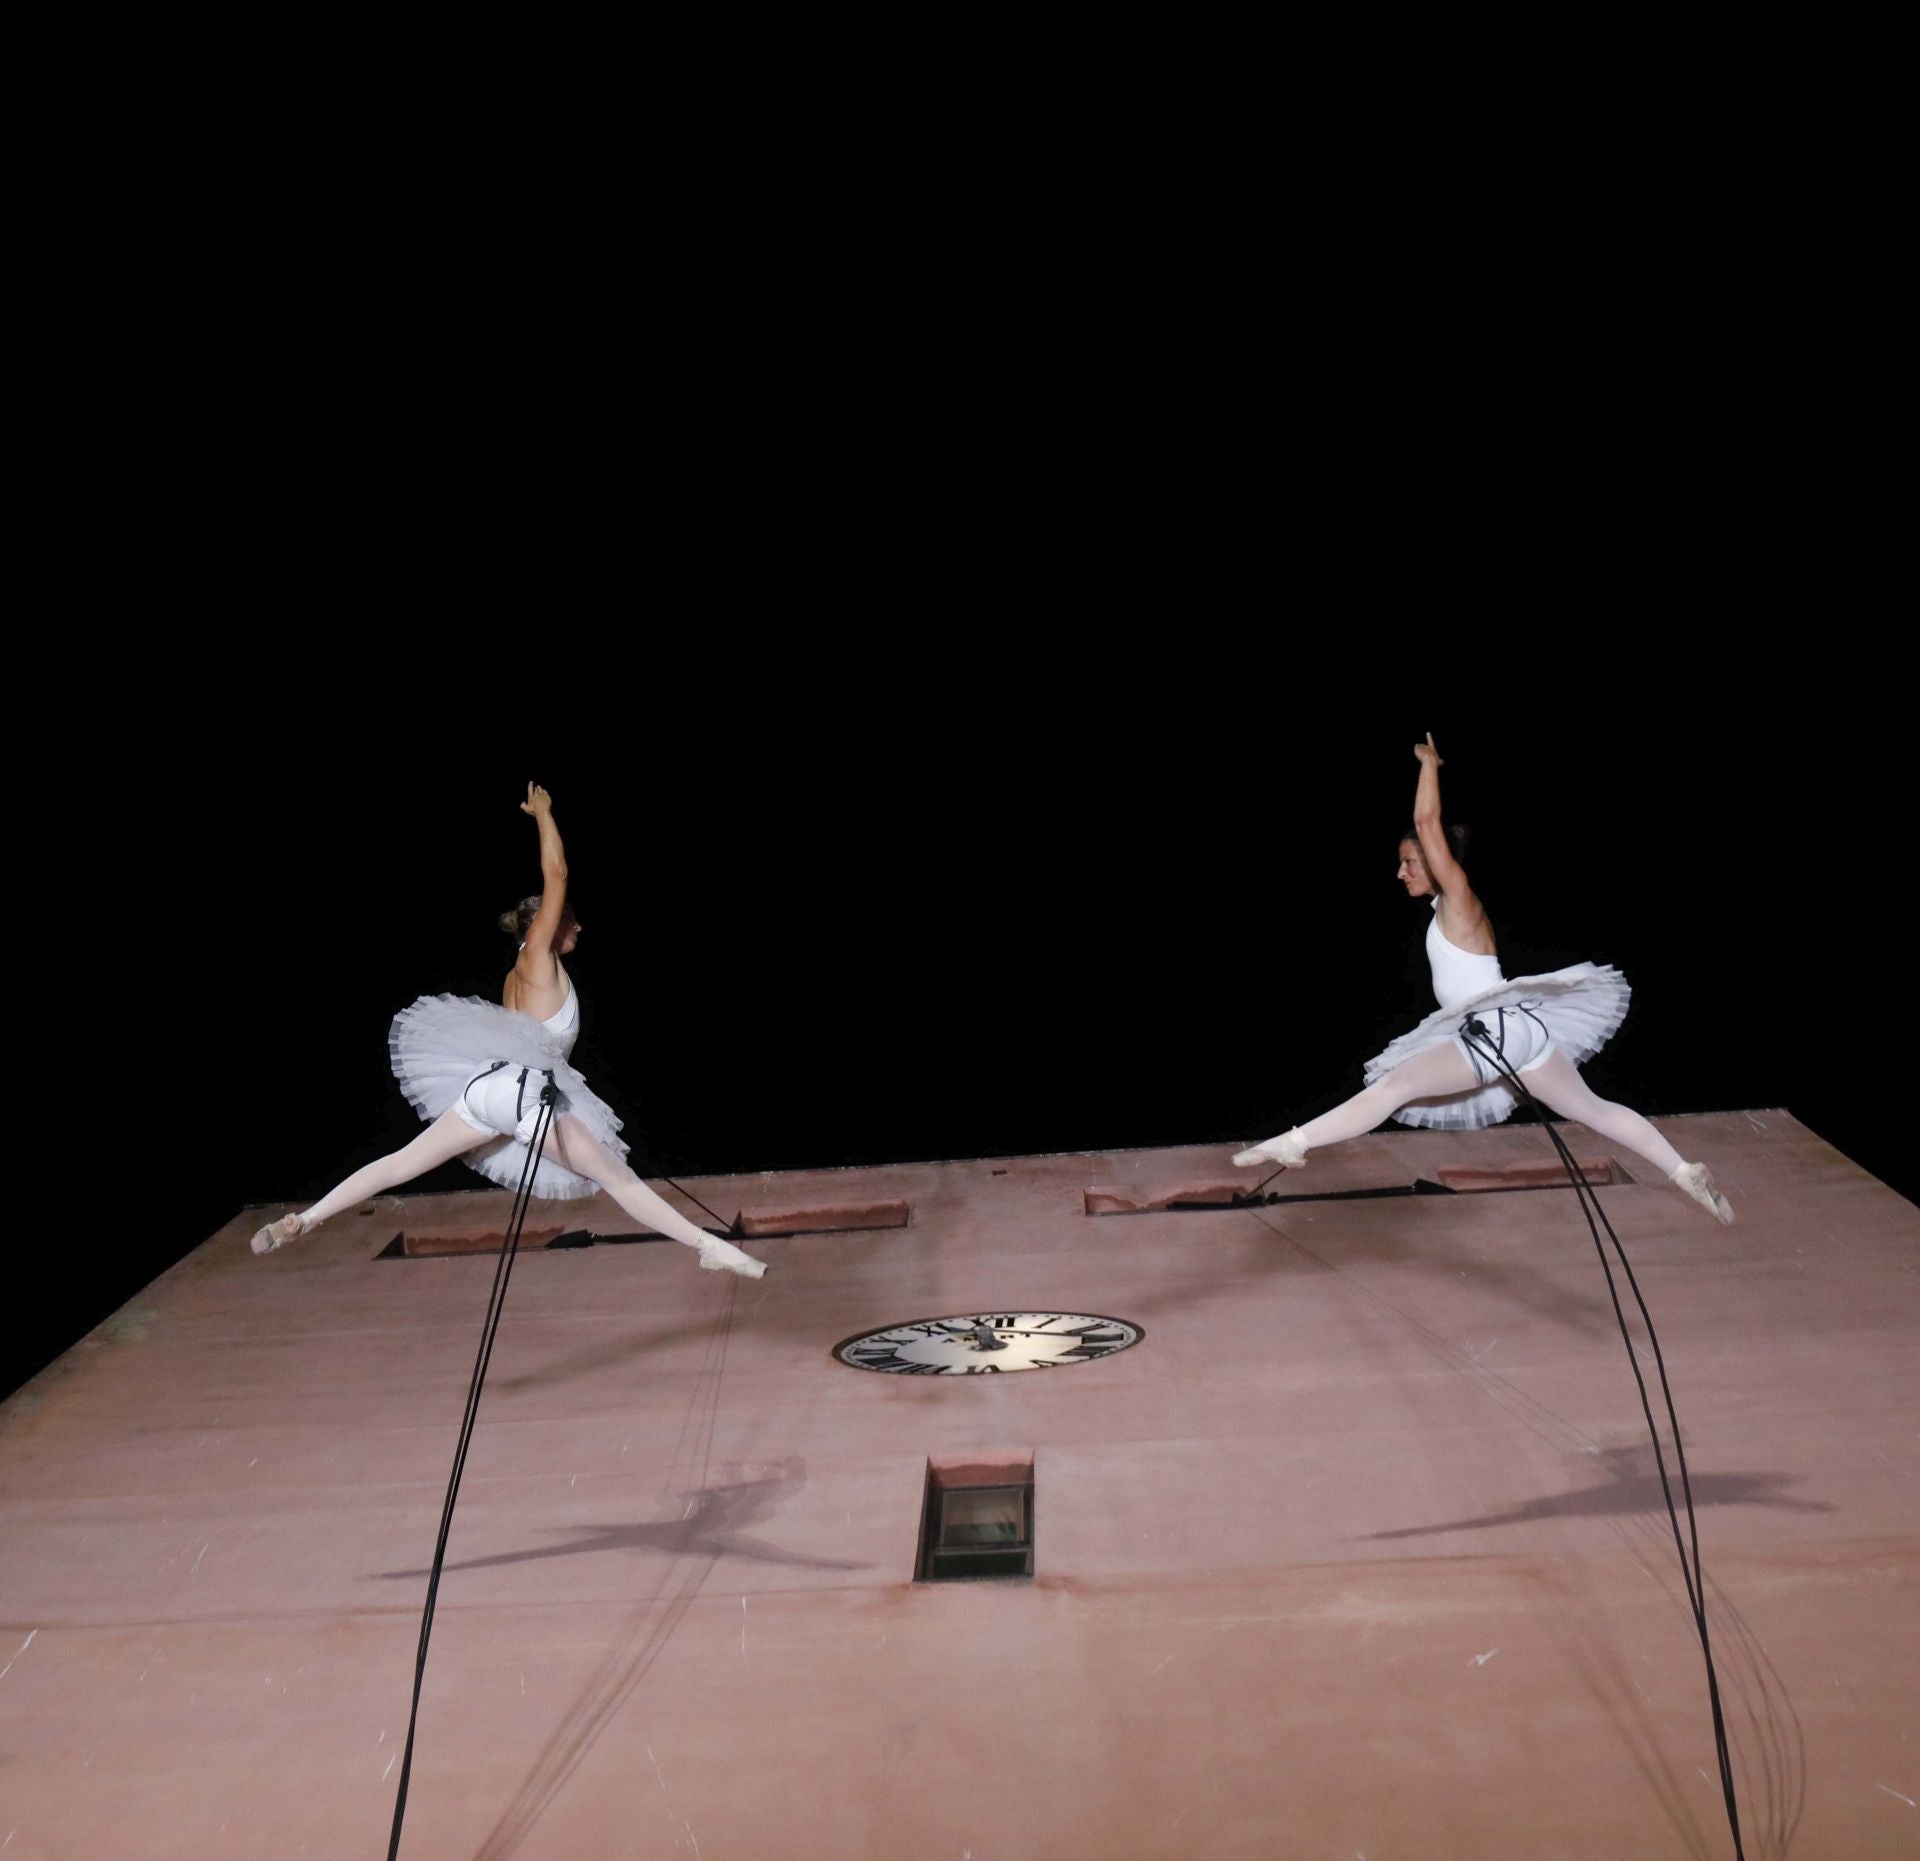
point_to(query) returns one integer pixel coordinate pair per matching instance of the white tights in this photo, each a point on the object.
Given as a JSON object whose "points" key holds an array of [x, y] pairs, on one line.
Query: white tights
{"points": [[450, 1136], [1555, 1082]]}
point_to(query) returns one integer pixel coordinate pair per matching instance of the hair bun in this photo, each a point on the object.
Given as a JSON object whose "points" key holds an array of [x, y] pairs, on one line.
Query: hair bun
{"points": [[517, 922]]}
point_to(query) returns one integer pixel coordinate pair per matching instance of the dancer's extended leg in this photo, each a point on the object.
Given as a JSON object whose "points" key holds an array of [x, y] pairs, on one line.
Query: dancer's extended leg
{"points": [[449, 1136], [1433, 1074], [1557, 1084], [582, 1153]]}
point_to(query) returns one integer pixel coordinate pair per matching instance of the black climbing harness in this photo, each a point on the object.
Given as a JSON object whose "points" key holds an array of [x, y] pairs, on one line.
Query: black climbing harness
{"points": [[1496, 1048], [520, 1095], [729, 1230]]}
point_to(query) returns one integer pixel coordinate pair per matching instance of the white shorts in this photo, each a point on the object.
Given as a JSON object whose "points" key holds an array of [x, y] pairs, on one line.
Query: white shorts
{"points": [[503, 1101], [1518, 1037]]}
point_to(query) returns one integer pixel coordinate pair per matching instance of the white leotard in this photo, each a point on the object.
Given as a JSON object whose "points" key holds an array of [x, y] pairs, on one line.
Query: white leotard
{"points": [[564, 1023], [1458, 975]]}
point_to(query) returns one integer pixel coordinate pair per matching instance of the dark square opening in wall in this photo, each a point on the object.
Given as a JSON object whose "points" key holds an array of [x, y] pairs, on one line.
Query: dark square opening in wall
{"points": [[972, 1529]]}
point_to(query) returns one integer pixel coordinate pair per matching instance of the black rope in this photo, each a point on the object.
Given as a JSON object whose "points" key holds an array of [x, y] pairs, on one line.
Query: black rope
{"points": [[726, 1226], [496, 1301], [1473, 1031], [1261, 1185]]}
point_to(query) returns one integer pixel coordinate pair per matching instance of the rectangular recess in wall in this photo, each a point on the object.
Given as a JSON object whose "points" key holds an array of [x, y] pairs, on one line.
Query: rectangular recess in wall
{"points": [[1205, 1198], [977, 1520]]}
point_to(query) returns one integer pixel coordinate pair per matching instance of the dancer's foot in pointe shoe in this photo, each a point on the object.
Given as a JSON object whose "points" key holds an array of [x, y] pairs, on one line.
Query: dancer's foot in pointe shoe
{"points": [[278, 1234], [1288, 1150], [1697, 1180], [719, 1256]]}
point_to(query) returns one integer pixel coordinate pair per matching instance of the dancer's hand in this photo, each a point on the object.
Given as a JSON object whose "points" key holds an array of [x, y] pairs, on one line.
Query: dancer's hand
{"points": [[538, 801], [1427, 753]]}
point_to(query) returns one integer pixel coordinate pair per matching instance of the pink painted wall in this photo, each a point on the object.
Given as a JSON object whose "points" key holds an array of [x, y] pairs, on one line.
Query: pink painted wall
{"points": [[1354, 1554]]}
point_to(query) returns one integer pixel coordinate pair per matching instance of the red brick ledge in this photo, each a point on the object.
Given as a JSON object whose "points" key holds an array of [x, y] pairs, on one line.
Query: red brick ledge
{"points": [[822, 1217], [1006, 1466], [422, 1235], [1464, 1179], [1597, 1170], [1108, 1201]]}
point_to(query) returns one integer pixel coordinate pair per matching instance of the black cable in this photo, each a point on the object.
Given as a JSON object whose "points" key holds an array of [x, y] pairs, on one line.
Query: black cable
{"points": [[1693, 1575], [726, 1226], [496, 1301], [1261, 1185]]}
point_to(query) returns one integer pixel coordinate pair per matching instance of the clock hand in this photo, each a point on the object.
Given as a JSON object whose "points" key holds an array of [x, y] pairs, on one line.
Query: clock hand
{"points": [[1062, 1336]]}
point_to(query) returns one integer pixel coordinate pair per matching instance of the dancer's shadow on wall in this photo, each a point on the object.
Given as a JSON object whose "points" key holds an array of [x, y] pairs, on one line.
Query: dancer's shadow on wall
{"points": [[694, 1545], [712, 1527], [1631, 1485], [1769, 1743]]}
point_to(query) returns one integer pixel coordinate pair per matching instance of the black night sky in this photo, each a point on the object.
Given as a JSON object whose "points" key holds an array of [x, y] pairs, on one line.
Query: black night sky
{"points": [[861, 887]]}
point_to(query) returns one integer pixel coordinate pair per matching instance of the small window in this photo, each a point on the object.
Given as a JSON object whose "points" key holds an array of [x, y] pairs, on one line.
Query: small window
{"points": [[976, 1531]]}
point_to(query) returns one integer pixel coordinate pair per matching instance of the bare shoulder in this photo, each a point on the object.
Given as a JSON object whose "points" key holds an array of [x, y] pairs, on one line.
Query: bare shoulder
{"points": [[1465, 924], [537, 988]]}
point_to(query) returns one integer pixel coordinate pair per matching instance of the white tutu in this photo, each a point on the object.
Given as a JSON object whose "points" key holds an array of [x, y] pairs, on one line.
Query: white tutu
{"points": [[442, 1042], [1581, 1007]]}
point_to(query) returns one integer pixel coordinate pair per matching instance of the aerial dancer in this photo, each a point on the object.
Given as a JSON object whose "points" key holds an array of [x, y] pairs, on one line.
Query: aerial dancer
{"points": [[1542, 1027], [475, 1070]]}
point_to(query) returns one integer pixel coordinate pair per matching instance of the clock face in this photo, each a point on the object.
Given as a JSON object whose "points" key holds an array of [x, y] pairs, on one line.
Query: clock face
{"points": [[988, 1343]]}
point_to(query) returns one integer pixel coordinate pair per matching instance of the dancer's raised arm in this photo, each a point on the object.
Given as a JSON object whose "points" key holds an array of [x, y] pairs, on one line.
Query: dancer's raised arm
{"points": [[1464, 915], [535, 967]]}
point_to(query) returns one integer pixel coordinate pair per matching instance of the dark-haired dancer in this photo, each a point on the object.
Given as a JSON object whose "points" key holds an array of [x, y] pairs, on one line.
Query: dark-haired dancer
{"points": [[474, 1070], [1544, 1027]]}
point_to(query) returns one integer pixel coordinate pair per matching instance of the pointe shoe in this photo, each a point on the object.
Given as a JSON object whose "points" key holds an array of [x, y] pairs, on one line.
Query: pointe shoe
{"points": [[1697, 1180], [719, 1256], [278, 1234], [1289, 1150]]}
